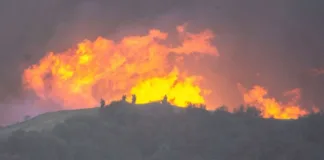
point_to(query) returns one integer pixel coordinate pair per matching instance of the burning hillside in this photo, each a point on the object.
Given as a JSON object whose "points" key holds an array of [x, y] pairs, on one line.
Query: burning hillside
{"points": [[108, 69], [149, 66], [272, 108]]}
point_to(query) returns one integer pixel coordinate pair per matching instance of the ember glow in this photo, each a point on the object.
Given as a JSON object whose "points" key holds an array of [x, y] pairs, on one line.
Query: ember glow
{"points": [[79, 77], [149, 66]]}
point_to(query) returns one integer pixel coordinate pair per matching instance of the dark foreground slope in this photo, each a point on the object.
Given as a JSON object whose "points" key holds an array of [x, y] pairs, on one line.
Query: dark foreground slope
{"points": [[161, 132], [45, 121]]}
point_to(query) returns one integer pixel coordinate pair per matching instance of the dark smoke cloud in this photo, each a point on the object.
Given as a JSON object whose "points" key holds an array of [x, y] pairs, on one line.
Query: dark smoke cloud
{"points": [[276, 40]]}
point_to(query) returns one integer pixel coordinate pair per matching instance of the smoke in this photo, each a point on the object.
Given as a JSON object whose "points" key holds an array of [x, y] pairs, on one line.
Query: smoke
{"points": [[16, 109], [271, 43]]}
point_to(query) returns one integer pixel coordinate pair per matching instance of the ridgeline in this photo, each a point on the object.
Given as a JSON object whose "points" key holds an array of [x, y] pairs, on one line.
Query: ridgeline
{"points": [[156, 131]]}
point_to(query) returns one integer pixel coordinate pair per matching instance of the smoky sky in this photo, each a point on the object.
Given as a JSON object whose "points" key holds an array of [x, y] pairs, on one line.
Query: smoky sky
{"points": [[271, 43]]}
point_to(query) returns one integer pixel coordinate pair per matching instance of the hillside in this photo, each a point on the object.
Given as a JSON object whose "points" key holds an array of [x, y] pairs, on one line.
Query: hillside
{"points": [[46, 121], [157, 131]]}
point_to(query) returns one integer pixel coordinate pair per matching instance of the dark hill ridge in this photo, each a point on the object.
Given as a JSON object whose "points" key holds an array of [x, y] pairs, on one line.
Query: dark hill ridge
{"points": [[158, 131], [48, 120]]}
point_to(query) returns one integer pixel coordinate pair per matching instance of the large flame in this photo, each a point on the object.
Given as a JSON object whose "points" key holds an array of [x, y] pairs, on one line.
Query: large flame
{"points": [[79, 77], [272, 108], [149, 66]]}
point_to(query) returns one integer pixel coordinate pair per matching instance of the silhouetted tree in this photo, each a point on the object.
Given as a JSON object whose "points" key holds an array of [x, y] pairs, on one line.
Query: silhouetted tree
{"points": [[253, 111], [203, 106], [102, 103], [190, 105], [165, 100], [124, 98], [133, 99], [222, 109], [240, 110]]}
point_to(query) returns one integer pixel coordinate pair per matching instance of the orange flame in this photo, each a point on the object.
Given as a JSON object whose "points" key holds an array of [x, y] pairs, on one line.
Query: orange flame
{"points": [[79, 77], [271, 108], [140, 65]]}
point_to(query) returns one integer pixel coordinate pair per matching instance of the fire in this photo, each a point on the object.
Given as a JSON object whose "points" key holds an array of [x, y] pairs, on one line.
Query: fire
{"points": [[104, 68], [271, 108], [149, 66], [178, 93]]}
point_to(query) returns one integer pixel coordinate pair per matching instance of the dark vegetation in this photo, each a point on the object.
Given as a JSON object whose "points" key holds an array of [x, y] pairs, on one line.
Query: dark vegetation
{"points": [[159, 131]]}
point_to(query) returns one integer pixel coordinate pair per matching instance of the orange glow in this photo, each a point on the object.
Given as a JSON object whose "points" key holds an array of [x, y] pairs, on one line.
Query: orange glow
{"points": [[270, 107], [178, 93], [149, 66], [104, 68]]}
